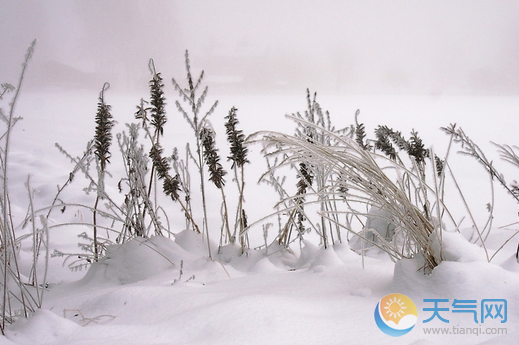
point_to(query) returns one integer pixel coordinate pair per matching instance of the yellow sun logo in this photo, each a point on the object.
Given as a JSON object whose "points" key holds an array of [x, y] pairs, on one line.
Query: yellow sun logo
{"points": [[395, 308], [396, 314]]}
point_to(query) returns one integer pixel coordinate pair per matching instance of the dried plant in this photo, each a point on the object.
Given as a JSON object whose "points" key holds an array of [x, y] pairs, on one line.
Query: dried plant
{"points": [[368, 185], [137, 199], [170, 184], [360, 133], [313, 126], [197, 121], [343, 166], [181, 168], [216, 172], [507, 153], [102, 141], [238, 156], [212, 159], [18, 299], [158, 103]]}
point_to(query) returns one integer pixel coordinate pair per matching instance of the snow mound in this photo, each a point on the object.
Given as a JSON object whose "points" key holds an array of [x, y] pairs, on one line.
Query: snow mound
{"points": [[319, 259], [42, 328], [455, 247], [193, 243], [308, 253], [345, 253], [325, 259], [136, 260], [453, 279], [264, 265]]}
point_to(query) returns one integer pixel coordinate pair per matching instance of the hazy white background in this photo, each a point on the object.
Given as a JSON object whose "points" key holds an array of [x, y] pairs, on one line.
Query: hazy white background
{"points": [[406, 64], [417, 47]]}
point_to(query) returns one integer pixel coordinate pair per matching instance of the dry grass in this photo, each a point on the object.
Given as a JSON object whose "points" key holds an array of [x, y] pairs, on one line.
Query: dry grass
{"points": [[356, 175]]}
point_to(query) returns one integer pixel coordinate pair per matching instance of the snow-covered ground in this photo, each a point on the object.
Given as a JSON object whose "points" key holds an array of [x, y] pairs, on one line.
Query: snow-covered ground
{"points": [[165, 290]]}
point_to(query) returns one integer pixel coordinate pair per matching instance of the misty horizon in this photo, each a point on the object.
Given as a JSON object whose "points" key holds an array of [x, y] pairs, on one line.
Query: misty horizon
{"points": [[414, 47]]}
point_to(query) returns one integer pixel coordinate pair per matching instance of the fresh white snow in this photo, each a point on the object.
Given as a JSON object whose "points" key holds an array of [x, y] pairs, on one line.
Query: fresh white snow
{"points": [[137, 294]]}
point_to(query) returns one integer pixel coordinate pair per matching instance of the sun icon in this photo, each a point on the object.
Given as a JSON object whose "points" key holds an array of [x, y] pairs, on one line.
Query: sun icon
{"points": [[396, 314], [395, 308]]}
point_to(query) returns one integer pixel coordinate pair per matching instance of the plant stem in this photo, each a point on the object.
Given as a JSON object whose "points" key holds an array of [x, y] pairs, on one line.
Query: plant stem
{"points": [[205, 227], [226, 214], [96, 253], [7, 238]]}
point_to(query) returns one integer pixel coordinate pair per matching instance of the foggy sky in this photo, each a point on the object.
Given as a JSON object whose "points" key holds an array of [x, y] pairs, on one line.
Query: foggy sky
{"points": [[388, 46]]}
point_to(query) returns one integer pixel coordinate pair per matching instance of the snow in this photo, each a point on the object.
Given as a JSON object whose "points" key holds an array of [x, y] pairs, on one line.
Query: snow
{"points": [[328, 297], [165, 290]]}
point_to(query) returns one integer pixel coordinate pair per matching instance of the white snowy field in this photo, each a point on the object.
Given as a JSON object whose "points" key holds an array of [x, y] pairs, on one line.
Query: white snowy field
{"points": [[138, 295]]}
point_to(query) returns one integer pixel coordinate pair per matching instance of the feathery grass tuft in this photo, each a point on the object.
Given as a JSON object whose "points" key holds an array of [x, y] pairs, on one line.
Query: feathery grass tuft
{"points": [[102, 141], [103, 131], [212, 159], [216, 173], [237, 139], [171, 185], [238, 156], [360, 133], [158, 101]]}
